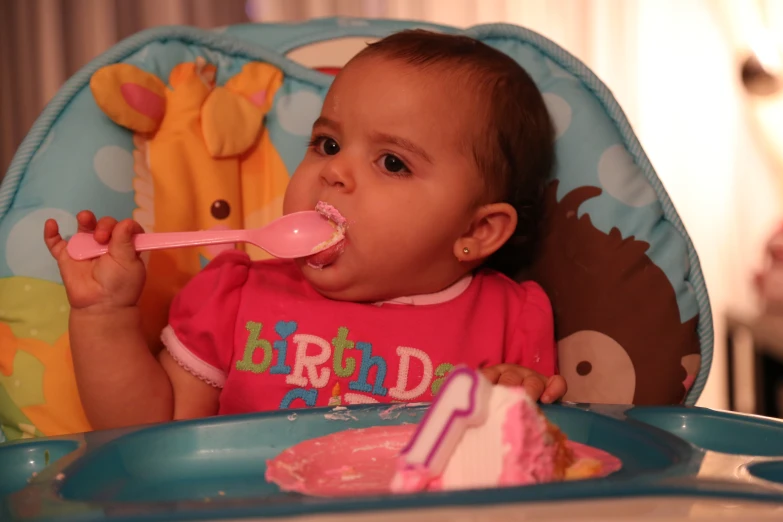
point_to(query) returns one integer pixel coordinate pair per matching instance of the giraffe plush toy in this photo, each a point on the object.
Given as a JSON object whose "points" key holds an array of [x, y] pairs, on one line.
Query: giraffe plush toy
{"points": [[203, 160]]}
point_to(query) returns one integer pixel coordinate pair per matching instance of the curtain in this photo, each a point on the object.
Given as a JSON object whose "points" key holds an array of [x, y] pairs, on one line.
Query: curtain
{"points": [[599, 32], [44, 42]]}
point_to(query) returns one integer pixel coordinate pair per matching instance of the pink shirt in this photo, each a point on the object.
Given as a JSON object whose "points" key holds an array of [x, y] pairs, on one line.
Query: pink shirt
{"points": [[260, 332]]}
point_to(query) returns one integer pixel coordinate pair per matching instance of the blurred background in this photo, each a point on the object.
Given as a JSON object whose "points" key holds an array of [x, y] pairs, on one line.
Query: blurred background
{"points": [[699, 80]]}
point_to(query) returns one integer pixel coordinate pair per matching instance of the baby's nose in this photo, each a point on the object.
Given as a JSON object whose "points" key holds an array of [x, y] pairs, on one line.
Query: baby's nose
{"points": [[338, 173]]}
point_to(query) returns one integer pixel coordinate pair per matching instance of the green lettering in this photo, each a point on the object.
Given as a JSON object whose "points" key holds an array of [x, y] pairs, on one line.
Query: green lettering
{"points": [[441, 372], [340, 344], [255, 342]]}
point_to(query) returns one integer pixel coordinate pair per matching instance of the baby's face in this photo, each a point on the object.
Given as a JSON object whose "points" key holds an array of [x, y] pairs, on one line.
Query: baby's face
{"points": [[392, 151]]}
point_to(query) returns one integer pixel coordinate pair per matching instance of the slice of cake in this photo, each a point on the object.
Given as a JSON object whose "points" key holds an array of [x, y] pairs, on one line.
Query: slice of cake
{"points": [[476, 435]]}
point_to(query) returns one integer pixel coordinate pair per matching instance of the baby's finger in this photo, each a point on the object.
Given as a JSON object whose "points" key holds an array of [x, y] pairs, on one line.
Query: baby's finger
{"points": [[86, 221], [492, 374], [556, 388], [104, 229], [54, 242], [121, 244], [136, 228], [511, 377], [534, 386]]}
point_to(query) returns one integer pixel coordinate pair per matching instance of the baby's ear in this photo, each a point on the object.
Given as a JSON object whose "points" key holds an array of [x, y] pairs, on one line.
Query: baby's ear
{"points": [[131, 97], [491, 227]]}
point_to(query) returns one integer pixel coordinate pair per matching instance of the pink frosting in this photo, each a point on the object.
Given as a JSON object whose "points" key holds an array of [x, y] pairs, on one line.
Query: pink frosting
{"points": [[331, 213], [336, 242], [351, 462], [529, 459], [364, 461]]}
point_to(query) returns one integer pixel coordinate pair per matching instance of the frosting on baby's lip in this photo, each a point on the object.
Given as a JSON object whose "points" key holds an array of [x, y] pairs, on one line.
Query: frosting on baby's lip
{"points": [[332, 214], [329, 250]]}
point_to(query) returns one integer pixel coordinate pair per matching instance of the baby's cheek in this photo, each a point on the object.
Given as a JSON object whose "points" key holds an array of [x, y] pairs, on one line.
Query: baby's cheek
{"points": [[296, 197], [383, 248]]}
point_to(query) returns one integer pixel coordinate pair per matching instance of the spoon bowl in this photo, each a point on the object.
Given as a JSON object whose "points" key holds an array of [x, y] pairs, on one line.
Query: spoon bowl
{"points": [[292, 236]]}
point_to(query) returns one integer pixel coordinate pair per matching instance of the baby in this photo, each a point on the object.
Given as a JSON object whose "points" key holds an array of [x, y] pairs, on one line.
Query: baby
{"points": [[435, 148]]}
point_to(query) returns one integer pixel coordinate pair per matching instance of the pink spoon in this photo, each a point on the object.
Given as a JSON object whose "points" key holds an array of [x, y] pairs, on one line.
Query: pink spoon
{"points": [[295, 235]]}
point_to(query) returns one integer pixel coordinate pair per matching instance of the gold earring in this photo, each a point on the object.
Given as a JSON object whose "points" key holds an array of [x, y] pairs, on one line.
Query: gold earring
{"points": [[466, 251]]}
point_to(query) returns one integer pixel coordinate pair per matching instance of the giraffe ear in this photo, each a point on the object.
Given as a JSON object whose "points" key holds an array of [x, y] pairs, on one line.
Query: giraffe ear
{"points": [[232, 117], [131, 97], [230, 123], [257, 82]]}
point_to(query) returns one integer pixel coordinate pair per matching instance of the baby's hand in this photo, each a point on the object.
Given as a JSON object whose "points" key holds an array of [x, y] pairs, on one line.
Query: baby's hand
{"points": [[537, 386], [113, 280]]}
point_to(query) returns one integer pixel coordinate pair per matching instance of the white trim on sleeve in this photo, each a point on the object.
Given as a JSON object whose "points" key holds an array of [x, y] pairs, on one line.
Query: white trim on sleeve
{"points": [[189, 361]]}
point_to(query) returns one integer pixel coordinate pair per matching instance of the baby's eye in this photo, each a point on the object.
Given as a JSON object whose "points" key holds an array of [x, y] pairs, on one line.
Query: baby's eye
{"points": [[393, 164], [324, 145], [330, 147]]}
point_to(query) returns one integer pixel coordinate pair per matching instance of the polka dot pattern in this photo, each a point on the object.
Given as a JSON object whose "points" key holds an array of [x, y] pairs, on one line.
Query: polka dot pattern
{"points": [[296, 112], [621, 178], [559, 111], [114, 167], [26, 253]]}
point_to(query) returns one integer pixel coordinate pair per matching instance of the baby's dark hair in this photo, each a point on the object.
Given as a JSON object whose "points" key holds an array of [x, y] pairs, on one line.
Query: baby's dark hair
{"points": [[513, 145]]}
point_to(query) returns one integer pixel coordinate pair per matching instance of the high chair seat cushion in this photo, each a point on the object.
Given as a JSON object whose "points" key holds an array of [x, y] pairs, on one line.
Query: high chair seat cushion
{"points": [[182, 129]]}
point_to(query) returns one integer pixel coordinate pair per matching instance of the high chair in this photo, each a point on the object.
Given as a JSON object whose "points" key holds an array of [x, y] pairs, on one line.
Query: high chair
{"points": [[632, 315]]}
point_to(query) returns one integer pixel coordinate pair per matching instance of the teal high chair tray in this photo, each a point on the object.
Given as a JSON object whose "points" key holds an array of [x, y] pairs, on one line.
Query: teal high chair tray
{"points": [[214, 468]]}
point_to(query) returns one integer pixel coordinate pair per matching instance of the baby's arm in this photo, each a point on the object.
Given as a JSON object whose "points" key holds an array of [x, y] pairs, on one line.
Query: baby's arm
{"points": [[120, 382], [193, 398], [531, 359]]}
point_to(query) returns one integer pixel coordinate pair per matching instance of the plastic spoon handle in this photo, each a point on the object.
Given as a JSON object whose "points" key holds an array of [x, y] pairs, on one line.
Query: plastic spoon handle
{"points": [[83, 245], [291, 236]]}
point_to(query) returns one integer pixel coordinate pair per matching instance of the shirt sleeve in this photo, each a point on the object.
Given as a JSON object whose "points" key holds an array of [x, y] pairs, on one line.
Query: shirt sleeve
{"points": [[202, 317], [534, 344]]}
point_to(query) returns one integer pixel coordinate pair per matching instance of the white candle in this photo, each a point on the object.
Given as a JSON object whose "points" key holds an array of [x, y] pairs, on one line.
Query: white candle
{"points": [[461, 403]]}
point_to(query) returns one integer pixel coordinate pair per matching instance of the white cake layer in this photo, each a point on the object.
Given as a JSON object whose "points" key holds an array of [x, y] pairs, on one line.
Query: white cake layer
{"points": [[478, 459]]}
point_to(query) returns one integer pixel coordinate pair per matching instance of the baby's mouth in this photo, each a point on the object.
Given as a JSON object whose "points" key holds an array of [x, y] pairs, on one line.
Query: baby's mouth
{"points": [[329, 255]]}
